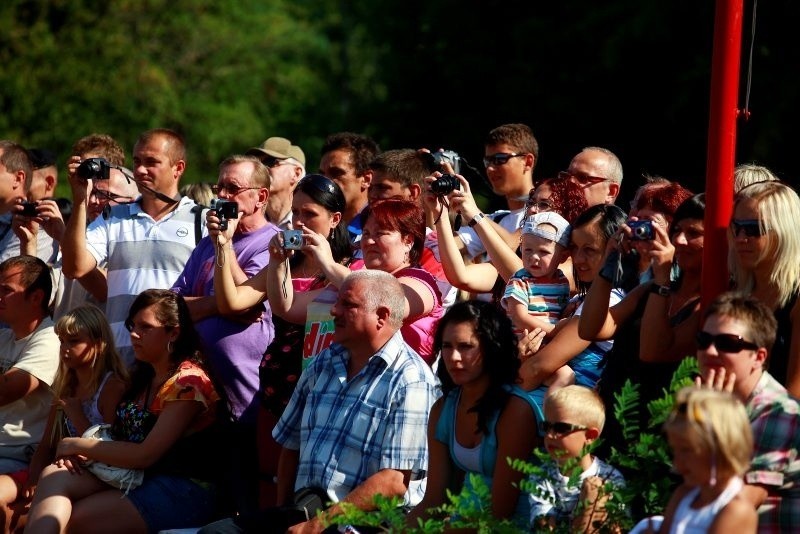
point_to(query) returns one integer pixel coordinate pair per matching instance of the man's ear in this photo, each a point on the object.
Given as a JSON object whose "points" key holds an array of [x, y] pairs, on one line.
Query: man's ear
{"points": [[530, 161], [366, 179], [50, 180], [761, 357], [415, 190], [180, 166], [383, 314], [36, 297], [263, 196], [613, 192]]}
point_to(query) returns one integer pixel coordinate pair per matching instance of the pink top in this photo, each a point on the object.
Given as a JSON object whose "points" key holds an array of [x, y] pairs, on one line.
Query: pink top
{"points": [[418, 333]]}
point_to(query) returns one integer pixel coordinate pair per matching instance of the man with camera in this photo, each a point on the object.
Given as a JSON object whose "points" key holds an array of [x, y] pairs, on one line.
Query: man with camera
{"points": [[234, 344], [146, 243]]}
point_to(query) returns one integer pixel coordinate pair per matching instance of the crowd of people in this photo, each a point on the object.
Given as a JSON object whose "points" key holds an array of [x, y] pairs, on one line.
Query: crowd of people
{"points": [[250, 355]]}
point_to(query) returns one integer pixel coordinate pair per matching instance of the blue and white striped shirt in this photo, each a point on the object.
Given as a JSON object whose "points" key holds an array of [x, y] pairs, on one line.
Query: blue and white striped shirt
{"points": [[348, 430]]}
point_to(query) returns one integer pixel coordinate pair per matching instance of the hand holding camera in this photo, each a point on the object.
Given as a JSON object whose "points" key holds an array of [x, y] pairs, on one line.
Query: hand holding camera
{"points": [[225, 211]]}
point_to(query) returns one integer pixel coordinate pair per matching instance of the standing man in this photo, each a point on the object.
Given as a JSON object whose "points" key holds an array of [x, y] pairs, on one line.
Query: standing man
{"points": [[287, 165], [599, 172], [345, 160], [235, 344], [510, 155], [145, 244], [29, 359]]}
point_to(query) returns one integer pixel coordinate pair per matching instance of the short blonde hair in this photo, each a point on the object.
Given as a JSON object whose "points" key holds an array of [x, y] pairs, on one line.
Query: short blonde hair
{"points": [[583, 404], [715, 422]]}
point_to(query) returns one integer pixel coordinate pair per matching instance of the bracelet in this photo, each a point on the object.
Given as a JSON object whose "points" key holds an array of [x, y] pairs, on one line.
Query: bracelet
{"points": [[661, 291], [478, 217]]}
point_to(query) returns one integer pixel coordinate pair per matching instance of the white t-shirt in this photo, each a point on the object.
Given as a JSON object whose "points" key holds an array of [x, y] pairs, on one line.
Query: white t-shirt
{"points": [[22, 422], [511, 221]]}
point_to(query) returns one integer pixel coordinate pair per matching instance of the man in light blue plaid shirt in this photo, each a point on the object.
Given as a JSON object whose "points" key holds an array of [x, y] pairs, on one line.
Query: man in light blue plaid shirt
{"points": [[356, 425]]}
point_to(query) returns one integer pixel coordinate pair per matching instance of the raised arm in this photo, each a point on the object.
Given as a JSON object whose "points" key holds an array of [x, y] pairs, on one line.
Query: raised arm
{"points": [[76, 259], [232, 297], [564, 346]]}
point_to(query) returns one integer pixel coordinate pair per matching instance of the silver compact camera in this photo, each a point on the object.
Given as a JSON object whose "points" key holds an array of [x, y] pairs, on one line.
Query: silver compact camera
{"points": [[292, 239]]}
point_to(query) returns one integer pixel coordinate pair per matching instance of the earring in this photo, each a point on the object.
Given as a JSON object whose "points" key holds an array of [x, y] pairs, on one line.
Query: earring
{"points": [[407, 257], [169, 346]]}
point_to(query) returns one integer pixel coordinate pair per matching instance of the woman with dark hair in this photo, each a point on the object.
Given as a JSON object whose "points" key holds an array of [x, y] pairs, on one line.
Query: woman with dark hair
{"points": [[317, 207], [165, 426], [483, 419], [654, 326]]}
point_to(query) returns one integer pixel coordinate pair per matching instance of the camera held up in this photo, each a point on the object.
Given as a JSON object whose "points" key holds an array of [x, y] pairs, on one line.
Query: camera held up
{"points": [[445, 184], [226, 210], [292, 239], [94, 169], [447, 156], [642, 230], [28, 209]]}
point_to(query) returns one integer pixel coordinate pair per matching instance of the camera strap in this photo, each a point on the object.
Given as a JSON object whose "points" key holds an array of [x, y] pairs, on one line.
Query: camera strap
{"points": [[158, 194]]}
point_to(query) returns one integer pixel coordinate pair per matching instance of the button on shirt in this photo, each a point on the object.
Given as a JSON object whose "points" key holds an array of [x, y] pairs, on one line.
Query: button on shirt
{"points": [[348, 430]]}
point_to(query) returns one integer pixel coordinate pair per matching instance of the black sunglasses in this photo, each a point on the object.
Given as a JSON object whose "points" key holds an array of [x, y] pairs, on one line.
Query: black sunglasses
{"points": [[750, 227], [559, 428], [724, 342], [501, 158], [272, 161]]}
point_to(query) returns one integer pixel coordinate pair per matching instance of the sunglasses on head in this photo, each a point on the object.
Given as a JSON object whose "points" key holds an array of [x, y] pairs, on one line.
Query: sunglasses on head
{"points": [[559, 428], [582, 178], [750, 227], [501, 158], [724, 342], [320, 183]]}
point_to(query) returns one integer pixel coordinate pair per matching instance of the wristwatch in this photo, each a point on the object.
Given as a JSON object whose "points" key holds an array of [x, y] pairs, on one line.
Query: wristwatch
{"points": [[476, 219], [661, 291]]}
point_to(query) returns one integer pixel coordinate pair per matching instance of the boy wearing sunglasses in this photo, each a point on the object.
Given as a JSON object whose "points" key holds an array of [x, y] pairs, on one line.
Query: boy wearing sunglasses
{"points": [[733, 350], [573, 419]]}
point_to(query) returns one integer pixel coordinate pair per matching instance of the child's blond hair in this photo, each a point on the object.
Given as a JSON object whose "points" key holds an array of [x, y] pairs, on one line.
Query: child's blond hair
{"points": [[88, 320], [714, 422], [584, 405]]}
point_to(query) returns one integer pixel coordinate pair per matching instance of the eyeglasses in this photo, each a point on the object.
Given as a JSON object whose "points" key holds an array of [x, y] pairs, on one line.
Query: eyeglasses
{"points": [[582, 178], [232, 190], [272, 161], [724, 342], [539, 205], [501, 158], [750, 227], [109, 196], [559, 428]]}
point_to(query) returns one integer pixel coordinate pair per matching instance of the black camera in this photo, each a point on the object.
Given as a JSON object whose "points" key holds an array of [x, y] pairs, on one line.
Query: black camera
{"points": [[642, 230], [447, 156], [292, 239], [28, 209], [226, 209], [445, 184], [94, 169]]}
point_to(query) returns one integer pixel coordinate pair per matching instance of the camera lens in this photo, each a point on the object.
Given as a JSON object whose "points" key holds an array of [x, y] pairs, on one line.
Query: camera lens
{"points": [[445, 184], [88, 169]]}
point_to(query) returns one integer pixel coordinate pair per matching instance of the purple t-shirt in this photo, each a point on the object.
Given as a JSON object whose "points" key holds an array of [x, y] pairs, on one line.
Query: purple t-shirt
{"points": [[233, 348]]}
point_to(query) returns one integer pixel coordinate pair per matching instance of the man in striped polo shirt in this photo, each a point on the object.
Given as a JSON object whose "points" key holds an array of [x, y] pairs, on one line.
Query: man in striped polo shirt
{"points": [[146, 243]]}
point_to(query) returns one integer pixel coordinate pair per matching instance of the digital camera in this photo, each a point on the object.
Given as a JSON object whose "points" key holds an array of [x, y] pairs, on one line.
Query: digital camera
{"points": [[292, 239], [447, 156], [226, 209], [642, 230], [445, 184], [94, 169], [28, 209]]}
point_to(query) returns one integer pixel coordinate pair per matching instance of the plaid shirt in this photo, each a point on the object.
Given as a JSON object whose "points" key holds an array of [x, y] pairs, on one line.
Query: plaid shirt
{"points": [[348, 430], [775, 420]]}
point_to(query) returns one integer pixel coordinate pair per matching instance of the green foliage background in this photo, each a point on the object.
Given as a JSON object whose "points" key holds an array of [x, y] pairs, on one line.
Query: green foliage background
{"points": [[630, 75]]}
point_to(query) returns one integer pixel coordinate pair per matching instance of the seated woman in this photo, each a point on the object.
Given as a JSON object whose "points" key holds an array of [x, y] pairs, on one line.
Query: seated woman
{"points": [[165, 426], [392, 239], [483, 418]]}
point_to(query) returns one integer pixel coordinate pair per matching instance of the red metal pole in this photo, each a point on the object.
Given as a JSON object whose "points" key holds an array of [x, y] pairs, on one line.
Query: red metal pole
{"points": [[721, 145]]}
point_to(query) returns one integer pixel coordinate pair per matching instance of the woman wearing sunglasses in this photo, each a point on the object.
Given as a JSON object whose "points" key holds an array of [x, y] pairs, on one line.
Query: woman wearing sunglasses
{"points": [[764, 259], [483, 419], [317, 207]]}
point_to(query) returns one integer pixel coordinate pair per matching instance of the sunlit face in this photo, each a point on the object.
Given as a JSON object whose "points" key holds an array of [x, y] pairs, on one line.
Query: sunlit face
{"points": [[538, 200], [691, 462], [107, 193], [540, 256], [11, 187], [383, 187], [77, 350], [745, 364], [508, 178], [351, 320], [593, 163], [750, 251], [152, 166], [563, 447], [687, 238], [462, 354], [587, 246], [149, 337], [315, 217], [338, 165], [235, 181], [383, 249]]}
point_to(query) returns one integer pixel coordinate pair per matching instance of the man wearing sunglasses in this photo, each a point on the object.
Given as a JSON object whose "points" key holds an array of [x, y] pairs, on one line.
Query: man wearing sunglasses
{"points": [[733, 350], [510, 154], [287, 165], [599, 172]]}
